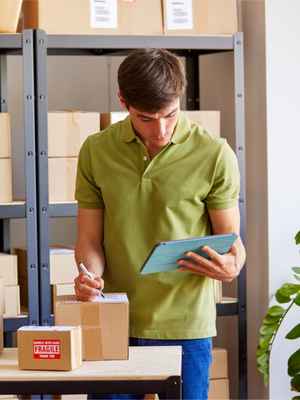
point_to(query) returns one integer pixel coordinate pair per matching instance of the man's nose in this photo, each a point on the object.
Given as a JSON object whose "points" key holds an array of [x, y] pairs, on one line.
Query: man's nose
{"points": [[161, 127]]}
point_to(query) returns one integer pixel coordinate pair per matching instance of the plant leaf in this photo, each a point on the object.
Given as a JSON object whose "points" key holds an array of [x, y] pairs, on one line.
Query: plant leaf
{"points": [[295, 383], [297, 299], [294, 365], [297, 277], [297, 238], [296, 270], [275, 311], [294, 333], [296, 398], [268, 329]]}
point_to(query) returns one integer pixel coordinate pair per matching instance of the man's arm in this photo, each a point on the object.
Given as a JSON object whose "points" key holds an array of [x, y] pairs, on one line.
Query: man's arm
{"points": [[222, 267], [89, 251]]}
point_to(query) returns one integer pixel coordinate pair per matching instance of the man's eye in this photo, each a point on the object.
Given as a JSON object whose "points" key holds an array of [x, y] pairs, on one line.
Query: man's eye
{"points": [[145, 119], [172, 115]]}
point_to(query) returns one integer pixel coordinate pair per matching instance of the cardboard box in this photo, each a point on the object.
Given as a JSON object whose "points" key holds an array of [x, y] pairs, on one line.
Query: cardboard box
{"points": [[219, 389], [121, 17], [62, 179], [11, 301], [55, 348], [9, 15], [219, 366], [9, 268], [69, 397], [107, 119], [5, 134], [209, 120], [205, 17], [68, 130], [62, 292], [1, 313], [63, 269], [104, 323], [6, 180]]}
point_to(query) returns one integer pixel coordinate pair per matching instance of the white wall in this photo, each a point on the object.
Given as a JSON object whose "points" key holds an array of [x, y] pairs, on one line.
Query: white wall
{"points": [[283, 105]]}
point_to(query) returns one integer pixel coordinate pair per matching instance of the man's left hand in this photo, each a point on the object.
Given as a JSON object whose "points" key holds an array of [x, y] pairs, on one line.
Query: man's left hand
{"points": [[221, 267]]}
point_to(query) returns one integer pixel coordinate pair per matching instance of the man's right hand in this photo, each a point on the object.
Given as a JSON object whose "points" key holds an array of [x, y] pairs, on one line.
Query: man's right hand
{"points": [[87, 289]]}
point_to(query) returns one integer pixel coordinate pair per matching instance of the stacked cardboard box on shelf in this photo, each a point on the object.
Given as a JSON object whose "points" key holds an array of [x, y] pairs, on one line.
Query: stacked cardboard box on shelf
{"points": [[11, 290], [9, 15], [66, 133], [5, 159], [219, 382]]}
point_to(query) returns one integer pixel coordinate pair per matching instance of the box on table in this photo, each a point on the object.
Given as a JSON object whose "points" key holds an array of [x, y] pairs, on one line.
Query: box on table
{"points": [[219, 389], [5, 133], [62, 292], [209, 120], [62, 179], [1, 313], [9, 268], [55, 348], [68, 130], [104, 323], [11, 301], [107, 119], [219, 366], [9, 15], [121, 17], [205, 17], [62, 269], [6, 180]]}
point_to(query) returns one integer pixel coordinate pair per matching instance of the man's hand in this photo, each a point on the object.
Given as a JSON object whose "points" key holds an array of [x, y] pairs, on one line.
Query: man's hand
{"points": [[221, 267], [87, 289]]}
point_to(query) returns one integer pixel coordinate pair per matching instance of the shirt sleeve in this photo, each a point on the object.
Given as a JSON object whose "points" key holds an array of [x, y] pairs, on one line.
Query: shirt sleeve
{"points": [[87, 193], [225, 187]]}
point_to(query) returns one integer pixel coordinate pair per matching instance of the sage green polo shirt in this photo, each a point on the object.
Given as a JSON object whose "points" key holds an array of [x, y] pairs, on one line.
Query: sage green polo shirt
{"points": [[146, 201]]}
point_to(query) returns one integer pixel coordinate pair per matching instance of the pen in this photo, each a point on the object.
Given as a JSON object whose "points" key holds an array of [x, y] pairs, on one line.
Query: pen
{"points": [[83, 269]]}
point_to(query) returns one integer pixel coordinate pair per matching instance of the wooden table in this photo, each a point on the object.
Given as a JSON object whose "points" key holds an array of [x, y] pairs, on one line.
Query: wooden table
{"points": [[148, 370]]}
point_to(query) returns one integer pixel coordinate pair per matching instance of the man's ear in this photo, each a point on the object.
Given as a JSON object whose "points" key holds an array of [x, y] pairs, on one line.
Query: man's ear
{"points": [[122, 101]]}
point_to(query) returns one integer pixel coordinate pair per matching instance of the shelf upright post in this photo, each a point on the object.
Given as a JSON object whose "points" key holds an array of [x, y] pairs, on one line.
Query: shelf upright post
{"points": [[239, 99], [40, 44], [30, 178], [192, 75]]}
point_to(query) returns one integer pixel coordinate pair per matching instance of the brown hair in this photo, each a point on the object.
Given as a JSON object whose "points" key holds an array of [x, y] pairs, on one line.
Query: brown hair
{"points": [[150, 79]]}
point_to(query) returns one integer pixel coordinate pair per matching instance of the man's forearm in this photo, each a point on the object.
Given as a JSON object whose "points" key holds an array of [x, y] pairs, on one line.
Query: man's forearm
{"points": [[91, 255]]}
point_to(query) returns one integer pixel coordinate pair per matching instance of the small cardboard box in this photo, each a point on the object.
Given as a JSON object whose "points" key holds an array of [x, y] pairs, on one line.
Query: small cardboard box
{"points": [[11, 301], [219, 366], [56, 348], [219, 389], [107, 119], [9, 268], [209, 120], [62, 179], [63, 269], [121, 17], [61, 292], [104, 323], [9, 15], [6, 180], [205, 17], [5, 133], [68, 130], [1, 313]]}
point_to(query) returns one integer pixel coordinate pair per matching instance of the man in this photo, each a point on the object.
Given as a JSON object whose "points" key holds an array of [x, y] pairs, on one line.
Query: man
{"points": [[153, 177]]}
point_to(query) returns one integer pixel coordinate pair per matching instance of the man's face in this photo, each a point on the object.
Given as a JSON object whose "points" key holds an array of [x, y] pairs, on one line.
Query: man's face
{"points": [[155, 130]]}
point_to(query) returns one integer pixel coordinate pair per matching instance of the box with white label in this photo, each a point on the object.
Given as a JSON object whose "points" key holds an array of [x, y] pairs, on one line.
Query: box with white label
{"points": [[121, 17], [62, 179], [5, 134], [200, 17], [6, 180], [11, 301], [9, 268], [55, 348], [68, 130], [105, 325]]}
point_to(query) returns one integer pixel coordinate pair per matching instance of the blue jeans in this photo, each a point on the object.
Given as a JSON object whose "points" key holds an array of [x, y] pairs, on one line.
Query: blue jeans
{"points": [[196, 360]]}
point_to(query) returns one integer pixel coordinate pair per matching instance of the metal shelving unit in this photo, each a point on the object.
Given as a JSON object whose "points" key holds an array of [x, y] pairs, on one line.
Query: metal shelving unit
{"points": [[190, 47], [23, 45]]}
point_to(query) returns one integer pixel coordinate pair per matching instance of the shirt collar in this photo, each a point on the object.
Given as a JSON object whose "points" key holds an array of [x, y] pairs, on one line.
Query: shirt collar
{"points": [[180, 135]]}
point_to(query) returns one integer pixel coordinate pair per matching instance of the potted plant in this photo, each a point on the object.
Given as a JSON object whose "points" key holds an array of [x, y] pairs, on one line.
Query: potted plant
{"points": [[289, 295]]}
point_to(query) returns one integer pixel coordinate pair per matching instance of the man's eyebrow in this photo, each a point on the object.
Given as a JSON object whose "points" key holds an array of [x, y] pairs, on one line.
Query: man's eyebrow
{"points": [[147, 116]]}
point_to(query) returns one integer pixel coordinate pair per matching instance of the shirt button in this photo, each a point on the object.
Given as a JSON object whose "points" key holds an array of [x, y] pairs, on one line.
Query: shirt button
{"points": [[145, 158]]}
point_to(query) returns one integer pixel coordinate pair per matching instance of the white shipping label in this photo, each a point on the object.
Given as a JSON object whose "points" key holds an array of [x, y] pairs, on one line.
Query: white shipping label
{"points": [[179, 14], [104, 14]]}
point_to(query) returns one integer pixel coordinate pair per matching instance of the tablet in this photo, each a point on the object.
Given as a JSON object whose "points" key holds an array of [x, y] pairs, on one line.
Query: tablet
{"points": [[164, 255]]}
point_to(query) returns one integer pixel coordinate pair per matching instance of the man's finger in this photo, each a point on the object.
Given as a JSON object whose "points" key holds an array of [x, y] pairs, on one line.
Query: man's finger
{"points": [[214, 256]]}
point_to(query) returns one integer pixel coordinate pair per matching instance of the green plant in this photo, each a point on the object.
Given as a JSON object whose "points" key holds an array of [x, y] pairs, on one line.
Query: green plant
{"points": [[288, 293]]}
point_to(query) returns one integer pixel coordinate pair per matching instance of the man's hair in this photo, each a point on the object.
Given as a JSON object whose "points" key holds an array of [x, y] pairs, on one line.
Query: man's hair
{"points": [[150, 79]]}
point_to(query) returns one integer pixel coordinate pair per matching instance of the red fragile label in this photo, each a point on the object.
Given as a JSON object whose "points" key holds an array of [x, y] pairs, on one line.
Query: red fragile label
{"points": [[46, 349]]}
